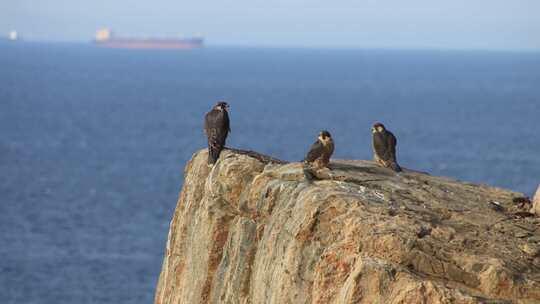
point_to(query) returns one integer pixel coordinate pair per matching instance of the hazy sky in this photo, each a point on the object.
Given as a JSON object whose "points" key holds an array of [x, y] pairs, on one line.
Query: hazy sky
{"points": [[483, 24]]}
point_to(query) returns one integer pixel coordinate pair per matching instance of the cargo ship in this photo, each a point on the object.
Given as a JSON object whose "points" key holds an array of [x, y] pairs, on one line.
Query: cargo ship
{"points": [[105, 38], [11, 36]]}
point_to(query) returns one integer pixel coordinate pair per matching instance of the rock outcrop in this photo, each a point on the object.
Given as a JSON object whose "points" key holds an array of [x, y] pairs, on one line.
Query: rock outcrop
{"points": [[252, 230], [536, 202]]}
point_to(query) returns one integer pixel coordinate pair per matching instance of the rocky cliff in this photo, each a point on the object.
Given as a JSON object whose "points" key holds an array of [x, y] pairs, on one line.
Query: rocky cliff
{"points": [[252, 230], [536, 203]]}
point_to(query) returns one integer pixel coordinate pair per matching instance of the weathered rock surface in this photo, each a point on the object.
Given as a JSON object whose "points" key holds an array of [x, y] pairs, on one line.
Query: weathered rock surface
{"points": [[536, 202], [252, 231]]}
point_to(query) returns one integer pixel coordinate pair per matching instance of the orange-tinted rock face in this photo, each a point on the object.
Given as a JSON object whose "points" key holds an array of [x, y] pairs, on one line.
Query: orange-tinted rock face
{"points": [[249, 231]]}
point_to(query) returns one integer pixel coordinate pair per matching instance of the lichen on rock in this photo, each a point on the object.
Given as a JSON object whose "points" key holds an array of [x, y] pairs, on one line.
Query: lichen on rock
{"points": [[250, 229]]}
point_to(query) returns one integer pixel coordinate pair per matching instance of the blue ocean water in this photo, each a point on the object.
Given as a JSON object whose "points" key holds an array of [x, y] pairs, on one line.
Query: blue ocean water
{"points": [[93, 141]]}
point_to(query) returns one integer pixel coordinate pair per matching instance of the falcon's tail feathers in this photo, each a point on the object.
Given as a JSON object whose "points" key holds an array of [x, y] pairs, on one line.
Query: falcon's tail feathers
{"points": [[308, 172], [394, 166], [213, 155]]}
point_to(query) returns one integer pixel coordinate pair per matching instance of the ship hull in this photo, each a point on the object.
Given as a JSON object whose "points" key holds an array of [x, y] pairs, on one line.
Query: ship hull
{"points": [[151, 44]]}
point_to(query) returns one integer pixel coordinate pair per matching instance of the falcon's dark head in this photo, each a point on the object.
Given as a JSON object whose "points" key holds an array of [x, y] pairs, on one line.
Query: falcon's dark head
{"points": [[325, 134], [378, 127], [221, 105]]}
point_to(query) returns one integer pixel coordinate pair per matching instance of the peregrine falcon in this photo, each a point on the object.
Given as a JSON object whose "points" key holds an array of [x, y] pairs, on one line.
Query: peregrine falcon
{"points": [[384, 147], [216, 127], [319, 154]]}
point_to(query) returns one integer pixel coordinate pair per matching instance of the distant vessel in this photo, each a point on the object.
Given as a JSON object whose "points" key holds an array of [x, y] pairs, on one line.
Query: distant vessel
{"points": [[13, 36], [105, 38]]}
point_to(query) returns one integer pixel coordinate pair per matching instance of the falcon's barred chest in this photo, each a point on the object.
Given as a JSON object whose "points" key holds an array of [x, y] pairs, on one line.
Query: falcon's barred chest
{"points": [[328, 150]]}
